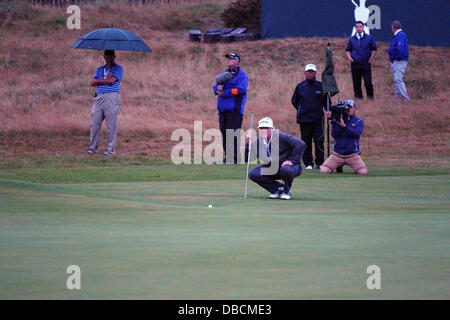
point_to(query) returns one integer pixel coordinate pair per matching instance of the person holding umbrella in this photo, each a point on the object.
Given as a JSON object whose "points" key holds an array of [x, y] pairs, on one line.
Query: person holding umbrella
{"points": [[107, 78]]}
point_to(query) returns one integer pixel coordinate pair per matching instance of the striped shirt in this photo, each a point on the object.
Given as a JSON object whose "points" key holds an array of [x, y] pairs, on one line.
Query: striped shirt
{"points": [[117, 72]]}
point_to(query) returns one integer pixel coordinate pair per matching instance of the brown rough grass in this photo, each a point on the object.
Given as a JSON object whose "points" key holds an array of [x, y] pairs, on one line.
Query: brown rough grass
{"points": [[45, 97]]}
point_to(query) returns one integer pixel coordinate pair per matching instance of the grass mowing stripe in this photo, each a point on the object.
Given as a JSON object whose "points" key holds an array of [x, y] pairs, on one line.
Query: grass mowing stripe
{"points": [[371, 190], [83, 173], [69, 190]]}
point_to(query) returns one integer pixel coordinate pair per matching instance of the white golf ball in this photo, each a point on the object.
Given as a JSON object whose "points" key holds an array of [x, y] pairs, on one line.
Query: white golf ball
{"points": [[210, 206]]}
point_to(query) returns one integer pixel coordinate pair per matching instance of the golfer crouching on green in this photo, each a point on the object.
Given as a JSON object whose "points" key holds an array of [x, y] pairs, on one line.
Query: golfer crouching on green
{"points": [[281, 154]]}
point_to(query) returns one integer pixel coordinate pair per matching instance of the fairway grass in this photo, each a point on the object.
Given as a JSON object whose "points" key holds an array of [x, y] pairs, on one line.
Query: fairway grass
{"points": [[159, 240]]}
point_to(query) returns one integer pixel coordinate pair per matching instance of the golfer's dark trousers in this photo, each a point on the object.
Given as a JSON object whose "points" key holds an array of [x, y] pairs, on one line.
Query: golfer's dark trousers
{"points": [[362, 71], [270, 183], [312, 131], [230, 120]]}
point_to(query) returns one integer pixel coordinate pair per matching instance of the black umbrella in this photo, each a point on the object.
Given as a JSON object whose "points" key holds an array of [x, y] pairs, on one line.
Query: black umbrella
{"points": [[329, 86], [111, 39]]}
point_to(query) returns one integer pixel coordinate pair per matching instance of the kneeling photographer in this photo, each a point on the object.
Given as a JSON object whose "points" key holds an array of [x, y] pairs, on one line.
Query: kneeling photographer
{"points": [[346, 130]]}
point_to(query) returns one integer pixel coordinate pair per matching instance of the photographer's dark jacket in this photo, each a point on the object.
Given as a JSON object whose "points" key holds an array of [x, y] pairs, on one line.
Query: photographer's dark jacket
{"points": [[346, 140], [290, 148], [234, 94], [307, 99]]}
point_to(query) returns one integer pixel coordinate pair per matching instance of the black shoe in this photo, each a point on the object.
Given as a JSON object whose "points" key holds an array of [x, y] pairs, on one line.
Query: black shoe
{"points": [[340, 169]]}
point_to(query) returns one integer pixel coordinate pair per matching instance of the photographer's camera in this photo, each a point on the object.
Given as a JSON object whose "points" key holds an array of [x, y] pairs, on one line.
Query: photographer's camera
{"points": [[338, 110]]}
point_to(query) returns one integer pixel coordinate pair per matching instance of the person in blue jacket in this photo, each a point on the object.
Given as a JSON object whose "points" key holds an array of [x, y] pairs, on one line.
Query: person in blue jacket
{"points": [[399, 55], [346, 133], [361, 50], [232, 96]]}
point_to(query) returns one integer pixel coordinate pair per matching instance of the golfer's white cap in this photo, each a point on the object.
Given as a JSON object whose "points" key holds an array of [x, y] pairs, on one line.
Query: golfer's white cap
{"points": [[265, 123], [310, 67]]}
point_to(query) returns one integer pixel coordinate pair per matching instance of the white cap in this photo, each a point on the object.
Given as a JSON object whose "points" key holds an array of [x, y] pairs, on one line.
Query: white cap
{"points": [[265, 123], [310, 67]]}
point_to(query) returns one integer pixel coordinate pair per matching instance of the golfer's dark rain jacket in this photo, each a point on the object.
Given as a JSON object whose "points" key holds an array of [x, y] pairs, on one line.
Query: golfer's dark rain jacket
{"points": [[307, 99], [290, 148]]}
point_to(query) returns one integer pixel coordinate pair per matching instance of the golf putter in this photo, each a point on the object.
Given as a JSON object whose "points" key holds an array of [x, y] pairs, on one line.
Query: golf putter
{"points": [[248, 157]]}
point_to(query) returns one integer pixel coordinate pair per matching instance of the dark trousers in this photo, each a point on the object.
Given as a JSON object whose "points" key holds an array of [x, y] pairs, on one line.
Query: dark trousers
{"points": [[360, 71], [312, 131], [230, 120], [270, 183]]}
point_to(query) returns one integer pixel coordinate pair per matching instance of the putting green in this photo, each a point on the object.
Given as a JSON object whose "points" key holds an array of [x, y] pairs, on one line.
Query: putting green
{"points": [[159, 240]]}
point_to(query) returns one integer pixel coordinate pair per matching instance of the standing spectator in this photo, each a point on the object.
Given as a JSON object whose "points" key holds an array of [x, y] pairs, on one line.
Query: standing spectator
{"points": [[107, 78], [232, 96], [399, 55], [361, 50], [307, 99]]}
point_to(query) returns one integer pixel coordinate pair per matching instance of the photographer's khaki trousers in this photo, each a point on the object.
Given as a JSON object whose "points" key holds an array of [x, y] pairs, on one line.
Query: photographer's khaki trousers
{"points": [[106, 107], [352, 160]]}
